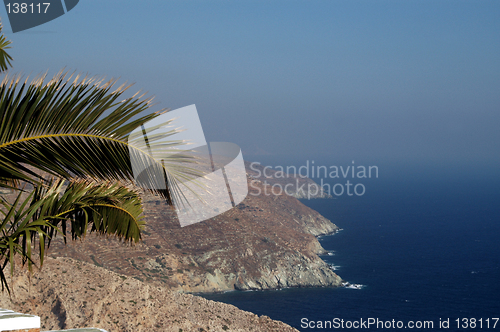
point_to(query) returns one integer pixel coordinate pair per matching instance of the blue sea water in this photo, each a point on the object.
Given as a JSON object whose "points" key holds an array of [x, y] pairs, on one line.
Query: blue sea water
{"points": [[425, 248]]}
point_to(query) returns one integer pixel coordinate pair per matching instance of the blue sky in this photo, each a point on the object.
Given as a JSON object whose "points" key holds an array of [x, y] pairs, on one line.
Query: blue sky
{"points": [[379, 81]]}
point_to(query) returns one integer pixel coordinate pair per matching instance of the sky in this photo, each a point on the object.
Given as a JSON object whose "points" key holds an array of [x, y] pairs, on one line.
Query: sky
{"points": [[373, 81]]}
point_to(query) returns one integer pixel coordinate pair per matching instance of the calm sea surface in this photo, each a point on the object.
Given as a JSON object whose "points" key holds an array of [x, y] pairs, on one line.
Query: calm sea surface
{"points": [[425, 249]]}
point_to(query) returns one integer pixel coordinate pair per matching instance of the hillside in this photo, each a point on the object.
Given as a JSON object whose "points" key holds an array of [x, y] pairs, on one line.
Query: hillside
{"points": [[266, 242], [73, 294]]}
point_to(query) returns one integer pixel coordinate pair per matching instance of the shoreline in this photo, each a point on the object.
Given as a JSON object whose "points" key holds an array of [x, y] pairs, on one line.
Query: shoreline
{"points": [[324, 252]]}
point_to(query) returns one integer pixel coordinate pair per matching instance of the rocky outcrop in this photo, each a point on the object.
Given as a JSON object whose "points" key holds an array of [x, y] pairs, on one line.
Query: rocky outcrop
{"points": [[292, 271], [74, 294], [266, 242]]}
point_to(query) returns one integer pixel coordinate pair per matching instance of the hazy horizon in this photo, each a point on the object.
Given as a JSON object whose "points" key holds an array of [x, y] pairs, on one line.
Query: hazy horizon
{"points": [[378, 82]]}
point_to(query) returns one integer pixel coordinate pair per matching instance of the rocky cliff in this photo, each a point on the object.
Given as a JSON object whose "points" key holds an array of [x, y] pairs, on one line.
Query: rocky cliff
{"points": [[74, 294], [268, 241]]}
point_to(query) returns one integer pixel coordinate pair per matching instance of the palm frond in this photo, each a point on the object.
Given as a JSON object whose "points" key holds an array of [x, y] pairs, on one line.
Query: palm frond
{"points": [[77, 127], [80, 208], [5, 58], [18, 230], [105, 208]]}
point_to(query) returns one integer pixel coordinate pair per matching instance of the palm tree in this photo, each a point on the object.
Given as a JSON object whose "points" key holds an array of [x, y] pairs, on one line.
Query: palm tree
{"points": [[65, 158]]}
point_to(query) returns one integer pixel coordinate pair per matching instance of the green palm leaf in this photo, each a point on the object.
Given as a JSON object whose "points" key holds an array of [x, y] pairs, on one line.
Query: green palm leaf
{"points": [[5, 58], [82, 207], [105, 208], [78, 128], [18, 230]]}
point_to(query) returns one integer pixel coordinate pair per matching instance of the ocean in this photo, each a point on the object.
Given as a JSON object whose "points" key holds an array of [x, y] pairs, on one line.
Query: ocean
{"points": [[426, 249]]}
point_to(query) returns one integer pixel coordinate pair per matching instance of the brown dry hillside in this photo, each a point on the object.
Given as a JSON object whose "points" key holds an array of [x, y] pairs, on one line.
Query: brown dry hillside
{"points": [[74, 294], [265, 242]]}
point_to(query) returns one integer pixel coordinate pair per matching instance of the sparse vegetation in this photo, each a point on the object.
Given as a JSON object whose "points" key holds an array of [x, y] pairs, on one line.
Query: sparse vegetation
{"points": [[92, 257]]}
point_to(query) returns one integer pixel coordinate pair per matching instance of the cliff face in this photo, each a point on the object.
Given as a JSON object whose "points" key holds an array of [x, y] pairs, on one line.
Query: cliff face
{"points": [[268, 241], [73, 294]]}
